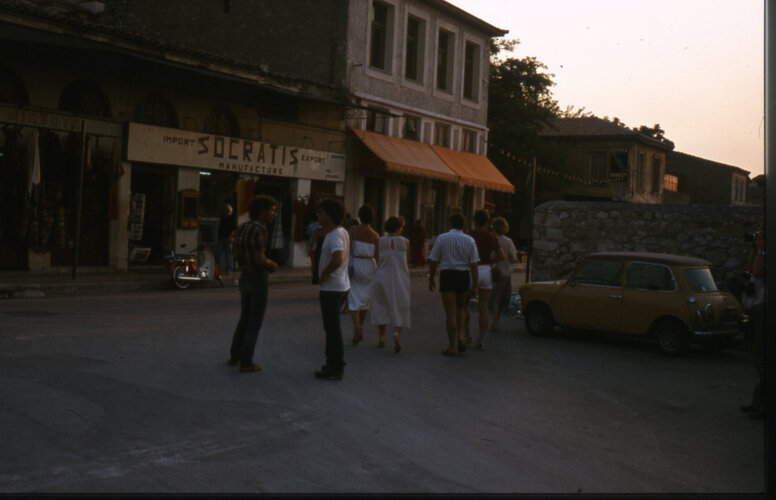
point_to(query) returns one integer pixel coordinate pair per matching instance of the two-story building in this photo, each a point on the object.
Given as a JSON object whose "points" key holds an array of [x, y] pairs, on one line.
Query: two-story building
{"points": [[418, 70], [125, 125], [594, 159]]}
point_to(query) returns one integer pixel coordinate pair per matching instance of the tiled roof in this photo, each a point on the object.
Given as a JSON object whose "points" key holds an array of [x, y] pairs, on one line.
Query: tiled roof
{"points": [[598, 128], [677, 158]]}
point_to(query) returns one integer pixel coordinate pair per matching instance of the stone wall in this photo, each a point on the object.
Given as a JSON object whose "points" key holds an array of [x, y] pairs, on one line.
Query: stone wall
{"points": [[565, 231]]}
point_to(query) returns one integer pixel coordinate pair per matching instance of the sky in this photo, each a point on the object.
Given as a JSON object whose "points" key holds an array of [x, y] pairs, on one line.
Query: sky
{"points": [[693, 66]]}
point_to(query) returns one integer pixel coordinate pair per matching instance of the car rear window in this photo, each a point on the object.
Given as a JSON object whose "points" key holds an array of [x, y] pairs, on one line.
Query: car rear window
{"points": [[700, 279], [648, 276], [600, 272]]}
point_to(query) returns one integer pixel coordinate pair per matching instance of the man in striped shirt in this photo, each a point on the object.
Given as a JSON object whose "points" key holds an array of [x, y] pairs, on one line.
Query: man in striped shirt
{"points": [[455, 253], [249, 247]]}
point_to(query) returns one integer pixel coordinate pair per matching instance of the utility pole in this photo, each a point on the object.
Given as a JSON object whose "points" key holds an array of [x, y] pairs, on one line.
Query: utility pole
{"points": [[530, 221]]}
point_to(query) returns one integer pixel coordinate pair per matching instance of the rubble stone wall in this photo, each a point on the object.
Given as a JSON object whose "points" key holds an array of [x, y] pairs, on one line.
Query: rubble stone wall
{"points": [[566, 231]]}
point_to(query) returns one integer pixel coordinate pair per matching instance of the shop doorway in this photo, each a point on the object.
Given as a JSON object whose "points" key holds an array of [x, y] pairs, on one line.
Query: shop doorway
{"points": [[13, 193], [407, 199], [152, 223]]}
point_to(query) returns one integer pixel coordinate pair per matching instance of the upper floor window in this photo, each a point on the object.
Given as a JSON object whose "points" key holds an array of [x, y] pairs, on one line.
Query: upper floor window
{"points": [[12, 89], [469, 141], [85, 98], [414, 61], [619, 164], [656, 164], [221, 121], [411, 128], [380, 49], [739, 188], [598, 167], [641, 163], [471, 71], [671, 183], [442, 135], [445, 52], [156, 110], [377, 120]]}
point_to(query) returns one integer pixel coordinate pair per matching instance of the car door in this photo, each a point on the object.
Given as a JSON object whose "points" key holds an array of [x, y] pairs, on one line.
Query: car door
{"points": [[592, 298], [650, 292]]}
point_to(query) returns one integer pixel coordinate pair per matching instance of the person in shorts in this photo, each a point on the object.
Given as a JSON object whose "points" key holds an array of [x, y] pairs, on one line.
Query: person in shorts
{"points": [[455, 254]]}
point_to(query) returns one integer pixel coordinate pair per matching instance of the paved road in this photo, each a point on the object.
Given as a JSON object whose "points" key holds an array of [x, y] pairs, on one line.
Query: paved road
{"points": [[131, 393]]}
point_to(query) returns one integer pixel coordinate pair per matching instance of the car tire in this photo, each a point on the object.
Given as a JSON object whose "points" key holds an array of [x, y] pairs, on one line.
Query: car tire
{"points": [[670, 337], [539, 320]]}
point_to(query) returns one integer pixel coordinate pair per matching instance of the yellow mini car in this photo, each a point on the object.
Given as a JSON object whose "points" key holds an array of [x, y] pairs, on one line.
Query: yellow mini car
{"points": [[670, 299]]}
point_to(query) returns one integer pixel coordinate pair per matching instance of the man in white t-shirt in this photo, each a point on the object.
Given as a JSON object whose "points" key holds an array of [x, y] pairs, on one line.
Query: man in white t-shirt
{"points": [[334, 284]]}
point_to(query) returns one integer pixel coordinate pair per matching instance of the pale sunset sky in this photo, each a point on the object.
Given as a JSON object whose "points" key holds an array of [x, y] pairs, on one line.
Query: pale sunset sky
{"points": [[693, 66]]}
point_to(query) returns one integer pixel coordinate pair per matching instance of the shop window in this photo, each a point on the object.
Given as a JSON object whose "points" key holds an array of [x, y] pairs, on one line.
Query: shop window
{"points": [[415, 50], [85, 98], [445, 52], [471, 71], [380, 49], [12, 89], [156, 110], [222, 121]]}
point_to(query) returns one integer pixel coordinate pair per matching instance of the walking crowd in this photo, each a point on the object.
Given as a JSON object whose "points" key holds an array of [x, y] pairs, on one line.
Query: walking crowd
{"points": [[368, 275]]}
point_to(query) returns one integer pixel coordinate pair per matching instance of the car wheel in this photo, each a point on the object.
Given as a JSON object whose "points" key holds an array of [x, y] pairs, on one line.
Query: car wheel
{"points": [[670, 337], [538, 320]]}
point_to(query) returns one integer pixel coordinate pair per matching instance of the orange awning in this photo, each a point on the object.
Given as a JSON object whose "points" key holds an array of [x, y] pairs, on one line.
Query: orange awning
{"points": [[474, 169], [405, 156]]}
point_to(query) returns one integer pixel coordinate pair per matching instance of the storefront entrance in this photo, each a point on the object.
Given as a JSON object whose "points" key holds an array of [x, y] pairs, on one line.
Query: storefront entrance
{"points": [[152, 213]]}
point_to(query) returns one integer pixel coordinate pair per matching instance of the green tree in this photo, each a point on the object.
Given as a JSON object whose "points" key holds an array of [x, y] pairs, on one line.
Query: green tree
{"points": [[520, 104]]}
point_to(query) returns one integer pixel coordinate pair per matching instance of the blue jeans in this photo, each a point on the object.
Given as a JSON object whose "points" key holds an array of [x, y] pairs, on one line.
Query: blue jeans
{"points": [[254, 289], [331, 303]]}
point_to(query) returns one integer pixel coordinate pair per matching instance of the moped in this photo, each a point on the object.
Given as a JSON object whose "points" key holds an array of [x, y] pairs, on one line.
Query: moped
{"points": [[197, 265]]}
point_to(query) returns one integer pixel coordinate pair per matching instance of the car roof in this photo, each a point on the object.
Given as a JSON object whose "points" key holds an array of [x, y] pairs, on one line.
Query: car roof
{"points": [[663, 258]]}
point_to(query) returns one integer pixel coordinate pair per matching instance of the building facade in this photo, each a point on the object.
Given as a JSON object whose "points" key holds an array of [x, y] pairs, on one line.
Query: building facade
{"points": [[694, 180], [591, 159], [126, 125]]}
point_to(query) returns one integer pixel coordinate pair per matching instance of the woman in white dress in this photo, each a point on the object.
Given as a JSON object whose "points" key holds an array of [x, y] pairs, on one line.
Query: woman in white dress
{"points": [[391, 290], [363, 255]]}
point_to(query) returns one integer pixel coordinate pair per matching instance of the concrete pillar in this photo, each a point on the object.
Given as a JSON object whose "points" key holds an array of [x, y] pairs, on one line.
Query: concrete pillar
{"points": [[119, 235]]}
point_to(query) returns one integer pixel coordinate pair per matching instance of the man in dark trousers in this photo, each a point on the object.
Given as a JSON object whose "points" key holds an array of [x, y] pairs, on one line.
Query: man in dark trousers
{"points": [[334, 284], [249, 247]]}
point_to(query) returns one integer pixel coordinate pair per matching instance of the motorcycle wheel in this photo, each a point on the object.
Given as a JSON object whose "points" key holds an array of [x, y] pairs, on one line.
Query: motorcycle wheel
{"points": [[177, 273]]}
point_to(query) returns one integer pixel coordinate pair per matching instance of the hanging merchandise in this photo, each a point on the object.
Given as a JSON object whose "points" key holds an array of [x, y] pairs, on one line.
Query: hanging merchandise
{"points": [[277, 233], [300, 209], [33, 161], [115, 171]]}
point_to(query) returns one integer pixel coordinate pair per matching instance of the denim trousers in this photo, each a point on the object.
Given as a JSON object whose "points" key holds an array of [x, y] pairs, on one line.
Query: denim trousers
{"points": [[331, 303], [254, 289]]}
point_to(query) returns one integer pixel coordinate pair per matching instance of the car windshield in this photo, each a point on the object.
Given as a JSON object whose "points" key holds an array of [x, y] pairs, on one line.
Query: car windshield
{"points": [[700, 279]]}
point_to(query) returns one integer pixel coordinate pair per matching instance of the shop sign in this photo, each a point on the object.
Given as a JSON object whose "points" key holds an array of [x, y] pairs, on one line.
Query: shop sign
{"points": [[39, 119], [150, 144]]}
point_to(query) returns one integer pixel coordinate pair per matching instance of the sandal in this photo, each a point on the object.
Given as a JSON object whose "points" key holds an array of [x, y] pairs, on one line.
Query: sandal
{"points": [[397, 344], [358, 337], [448, 353]]}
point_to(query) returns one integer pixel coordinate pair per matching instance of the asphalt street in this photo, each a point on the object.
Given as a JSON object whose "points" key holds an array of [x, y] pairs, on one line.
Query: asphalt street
{"points": [[131, 393]]}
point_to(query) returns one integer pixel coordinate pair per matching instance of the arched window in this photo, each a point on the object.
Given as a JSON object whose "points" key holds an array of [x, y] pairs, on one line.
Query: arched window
{"points": [[221, 121], [156, 110], [85, 98], [12, 88]]}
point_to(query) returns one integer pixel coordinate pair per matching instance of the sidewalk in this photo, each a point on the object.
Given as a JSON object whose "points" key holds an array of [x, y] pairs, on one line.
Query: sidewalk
{"points": [[90, 281]]}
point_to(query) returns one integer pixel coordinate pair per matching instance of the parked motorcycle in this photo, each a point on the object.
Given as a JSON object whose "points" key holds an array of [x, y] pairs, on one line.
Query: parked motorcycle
{"points": [[199, 265]]}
